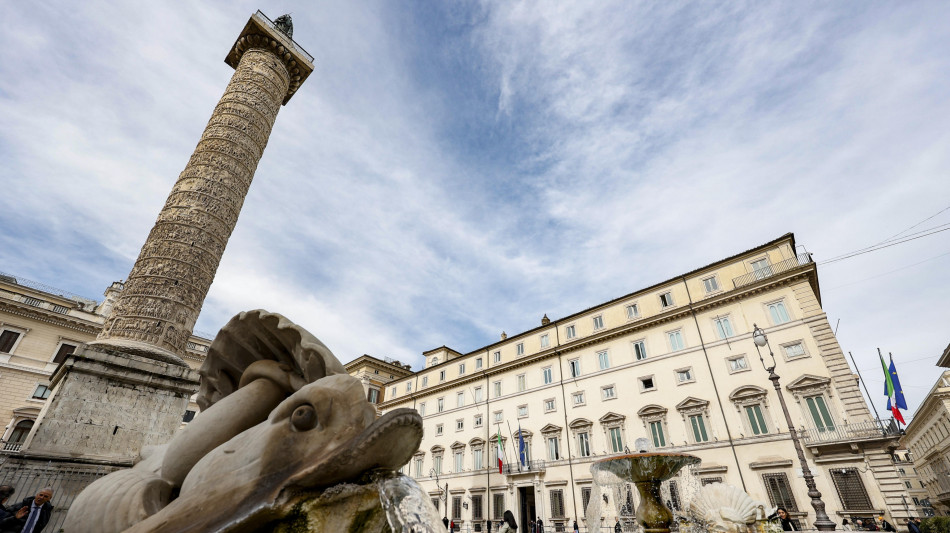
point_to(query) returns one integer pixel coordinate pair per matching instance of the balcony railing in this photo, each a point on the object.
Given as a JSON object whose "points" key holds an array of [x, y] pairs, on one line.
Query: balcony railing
{"points": [[771, 270], [12, 446], [848, 432], [532, 466]]}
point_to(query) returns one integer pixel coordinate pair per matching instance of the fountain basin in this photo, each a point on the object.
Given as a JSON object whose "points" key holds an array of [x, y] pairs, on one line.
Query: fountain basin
{"points": [[647, 471]]}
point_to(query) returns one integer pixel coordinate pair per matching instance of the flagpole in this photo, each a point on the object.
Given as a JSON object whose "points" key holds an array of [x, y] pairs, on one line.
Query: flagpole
{"points": [[513, 444], [863, 384]]}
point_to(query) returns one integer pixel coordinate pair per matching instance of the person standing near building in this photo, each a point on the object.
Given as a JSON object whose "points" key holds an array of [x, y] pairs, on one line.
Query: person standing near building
{"points": [[885, 525], [912, 526], [509, 525], [33, 514]]}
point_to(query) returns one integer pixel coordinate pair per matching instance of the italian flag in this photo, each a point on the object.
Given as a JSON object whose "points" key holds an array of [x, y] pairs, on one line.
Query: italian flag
{"points": [[501, 455], [890, 392]]}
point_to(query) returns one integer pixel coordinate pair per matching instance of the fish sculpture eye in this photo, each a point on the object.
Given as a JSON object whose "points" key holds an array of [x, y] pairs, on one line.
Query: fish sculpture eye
{"points": [[304, 418]]}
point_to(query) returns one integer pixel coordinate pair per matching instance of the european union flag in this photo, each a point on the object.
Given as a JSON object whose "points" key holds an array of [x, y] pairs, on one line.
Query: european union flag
{"points": [[898, 391]]}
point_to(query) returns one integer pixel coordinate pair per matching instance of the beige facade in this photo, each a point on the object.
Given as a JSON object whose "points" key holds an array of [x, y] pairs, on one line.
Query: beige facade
{"points": [[918, 499], [673, 363], [375, 374], [39, 327], [928, 439]]}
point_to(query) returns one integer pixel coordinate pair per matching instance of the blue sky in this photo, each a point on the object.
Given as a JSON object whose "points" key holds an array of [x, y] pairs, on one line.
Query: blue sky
{"points": [[452, 170]]}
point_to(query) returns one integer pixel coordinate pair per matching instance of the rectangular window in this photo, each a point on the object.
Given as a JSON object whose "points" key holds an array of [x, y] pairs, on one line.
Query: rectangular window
{"points": [[418, 463], [639, 350], [685, 375], [723, 327], [478, 394], [522, 382], [35, 302], [554, 452], [441, 375], [392, 392], [780, 492], [7, 339], [549, 406], [461, 368], [63, 351], [497, 388], [373, 395], [544, 341], [820, 414], [438, 429], [460, 399], [519, 349], [676, 340], [422, 409], [41, 392], [458, 461], [478, 365], [60, 309], [522, 411], [425, 381], [666, 299], [441, 402], [656, 429], [616, 440], [478, 459], [478, 421], [546, 374], [604, 360], [908, 485], [557, 503], [408, 386], [778, 313], [756, 420], [609, 392], [761, 268], [738, 363], [698, 425], [674, 496], [570, 332], [711, 284], [647, 384], [497, 356], [456, 507], [633, 311], [793, 351], [498, 506], [459, 425], [583, 444], [598, 322], [498, 416], [578, 398], [575, 365], [477, 507], [585, 498]]}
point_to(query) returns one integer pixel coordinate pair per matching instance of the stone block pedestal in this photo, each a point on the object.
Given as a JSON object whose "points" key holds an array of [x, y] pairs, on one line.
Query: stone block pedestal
{"points": [[106, 405]]}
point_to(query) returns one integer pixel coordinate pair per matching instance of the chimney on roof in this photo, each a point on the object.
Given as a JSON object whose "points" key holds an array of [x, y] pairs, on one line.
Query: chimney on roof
{"points": [[504, 335], [545, 320]]}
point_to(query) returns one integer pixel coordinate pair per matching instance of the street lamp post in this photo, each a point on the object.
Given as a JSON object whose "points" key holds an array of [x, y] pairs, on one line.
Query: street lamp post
{"points": [[822, 522], [443, 494]]}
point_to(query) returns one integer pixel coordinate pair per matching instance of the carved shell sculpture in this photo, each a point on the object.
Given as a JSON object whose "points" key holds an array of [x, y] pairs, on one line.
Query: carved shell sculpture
{"points": [[725, 508]]}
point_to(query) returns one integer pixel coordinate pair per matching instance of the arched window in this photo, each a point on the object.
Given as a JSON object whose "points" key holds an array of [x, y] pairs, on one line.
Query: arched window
{"points": [[18, 435]]}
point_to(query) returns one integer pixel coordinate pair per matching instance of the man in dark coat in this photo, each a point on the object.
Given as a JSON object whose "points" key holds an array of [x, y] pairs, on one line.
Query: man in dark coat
{"points": [[32, 514]]}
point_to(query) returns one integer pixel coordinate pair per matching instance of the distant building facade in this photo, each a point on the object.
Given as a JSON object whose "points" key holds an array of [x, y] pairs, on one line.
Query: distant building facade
{"points": [[39, 327], [675, 364], [928, 439], [375, 374]]}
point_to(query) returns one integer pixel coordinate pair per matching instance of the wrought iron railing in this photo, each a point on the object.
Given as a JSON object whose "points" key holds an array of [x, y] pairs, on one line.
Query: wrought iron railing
{"points": [[23, 282], [296, 46], [532, 466], [872, 429], [771, 270]]}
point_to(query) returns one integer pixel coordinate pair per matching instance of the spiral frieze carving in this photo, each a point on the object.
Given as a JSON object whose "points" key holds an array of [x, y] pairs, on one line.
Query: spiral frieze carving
{"points": [[175, 268]]}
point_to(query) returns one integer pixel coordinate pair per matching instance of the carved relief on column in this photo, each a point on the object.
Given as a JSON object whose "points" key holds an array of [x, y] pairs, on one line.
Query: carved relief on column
{"points": [[157, 310]]}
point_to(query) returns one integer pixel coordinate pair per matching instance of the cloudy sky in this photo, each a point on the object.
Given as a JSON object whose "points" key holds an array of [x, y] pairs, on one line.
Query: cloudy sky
{"points": [[452, 170]]}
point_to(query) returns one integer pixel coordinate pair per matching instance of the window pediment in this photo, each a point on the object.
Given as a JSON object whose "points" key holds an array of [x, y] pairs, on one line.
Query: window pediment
{"points": [[691, 404], [550, 429], [580, 423], [437, 449], [457, 445], [748, 393], [26, 412], [526, 433], [652, 410], [476, 442], [808, 383]]}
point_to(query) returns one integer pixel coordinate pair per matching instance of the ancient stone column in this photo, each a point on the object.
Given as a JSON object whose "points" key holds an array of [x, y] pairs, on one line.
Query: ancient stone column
{"points": [[157, 310]]}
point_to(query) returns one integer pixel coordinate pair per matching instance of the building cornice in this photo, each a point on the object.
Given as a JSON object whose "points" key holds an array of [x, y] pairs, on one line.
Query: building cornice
{"points": [[43, 315]]}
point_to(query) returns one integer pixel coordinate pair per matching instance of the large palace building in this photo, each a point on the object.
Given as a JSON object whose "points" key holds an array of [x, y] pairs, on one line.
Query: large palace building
{"points": [[674, 363]]}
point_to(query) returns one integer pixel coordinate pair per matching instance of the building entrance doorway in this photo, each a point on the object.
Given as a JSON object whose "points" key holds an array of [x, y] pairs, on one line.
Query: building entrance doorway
{"points": [[528, 512]]}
